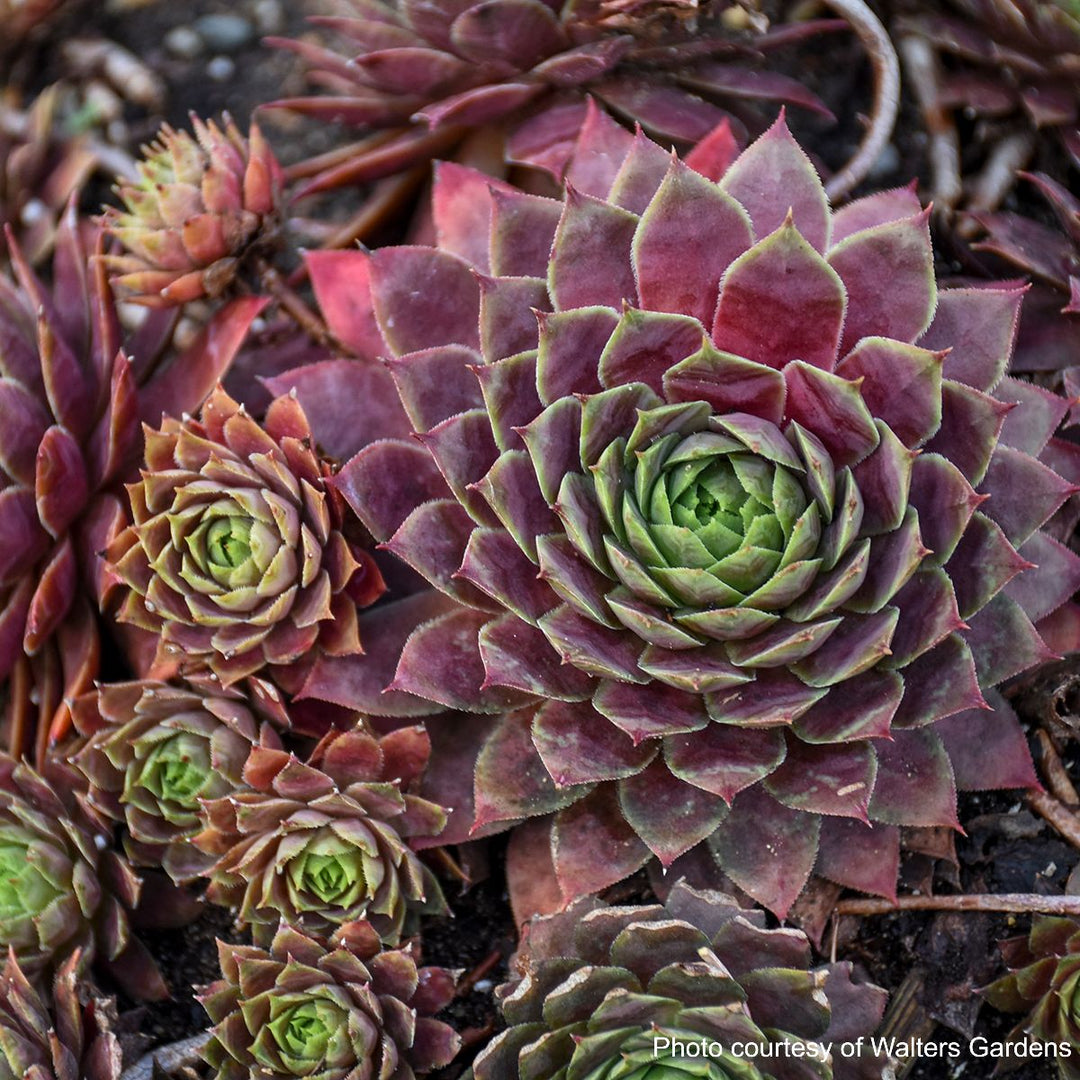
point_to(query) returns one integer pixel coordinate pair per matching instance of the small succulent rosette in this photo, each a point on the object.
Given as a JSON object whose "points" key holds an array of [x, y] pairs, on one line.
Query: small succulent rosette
{"points": [[62, 886], [696, 987], [739, 516], [65, 1035], [1043, 983], [237, 557], [435, 72], [152, 752], [327, 842], [343, 1009], [200, 207]]}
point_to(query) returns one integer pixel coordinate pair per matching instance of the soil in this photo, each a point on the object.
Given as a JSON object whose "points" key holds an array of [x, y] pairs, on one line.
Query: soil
{"points": [[1005, 849]]}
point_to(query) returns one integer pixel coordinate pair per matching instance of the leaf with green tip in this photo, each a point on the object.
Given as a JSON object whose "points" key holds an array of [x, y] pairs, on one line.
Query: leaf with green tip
{"points": [[727, 623], [509, 389], [724, 760], [695, 670], [783, 644], [728, 383], [645, 344], [831, 408], [781, 301], [774, 174], [690, 222], [884, 481], [612, 414], [669, 815], [888, 272], [435, 384], [512, 492], [858, 643], [894, 557], [579, 746], [508, 308], [522, 231], [573, 579], [650, 623], [590, 258], [553, 441], [767, 849], [901, 385]]}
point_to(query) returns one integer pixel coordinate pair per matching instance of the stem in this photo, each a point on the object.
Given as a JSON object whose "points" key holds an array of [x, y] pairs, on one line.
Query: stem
{"points": [[995, 181], [1057, 779], [478, 972], [292, 303], [1012, 902], [944, 147], [1057, 813], [882, 55]]}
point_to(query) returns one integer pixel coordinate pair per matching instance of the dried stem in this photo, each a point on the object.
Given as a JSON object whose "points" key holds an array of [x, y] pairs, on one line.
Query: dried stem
{"points": [[478, 972], [882, 55], [1057, 779], [291, 302], [1057, 813], [944, 148], [998, 175], [1012, 902]]}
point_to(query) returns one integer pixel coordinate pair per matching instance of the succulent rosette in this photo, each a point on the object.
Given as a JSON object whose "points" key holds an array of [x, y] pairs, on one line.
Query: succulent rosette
{"points": [[732, 541], [432, 72], [153, 751], [66, 1036], [326, 842], [1044, 983], [41, 170], [63, 887], [340, 1009], [201, 206], [236, 556], [618, 993]]}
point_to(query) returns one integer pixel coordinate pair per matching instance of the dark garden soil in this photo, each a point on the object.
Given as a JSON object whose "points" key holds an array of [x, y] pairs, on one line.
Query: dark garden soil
{"points": [[940, 958]]}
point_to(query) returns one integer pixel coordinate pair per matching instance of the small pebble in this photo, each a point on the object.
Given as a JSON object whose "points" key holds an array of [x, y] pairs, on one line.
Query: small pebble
{"points": [[269, 16], [224, 33], [221, 69], [183, 42]]}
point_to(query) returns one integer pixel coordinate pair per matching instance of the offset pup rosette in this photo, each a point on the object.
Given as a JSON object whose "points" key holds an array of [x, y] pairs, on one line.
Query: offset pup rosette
{"points": [[200, 206], [344, 1009], [1044, 983], [326, 842], [236, 556], [153, 751], [734, 533], [674, 992]]}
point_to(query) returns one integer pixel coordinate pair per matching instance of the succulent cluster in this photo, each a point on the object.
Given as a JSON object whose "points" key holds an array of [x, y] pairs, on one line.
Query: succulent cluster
{"points": [[1043, 983], [201, 206], [335, 1010], [673, 991], [430, 73], [704, 556], [636, 501]]}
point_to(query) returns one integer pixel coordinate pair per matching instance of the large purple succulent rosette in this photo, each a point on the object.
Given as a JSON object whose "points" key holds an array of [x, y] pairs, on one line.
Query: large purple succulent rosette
{"points": [[735, 516]]}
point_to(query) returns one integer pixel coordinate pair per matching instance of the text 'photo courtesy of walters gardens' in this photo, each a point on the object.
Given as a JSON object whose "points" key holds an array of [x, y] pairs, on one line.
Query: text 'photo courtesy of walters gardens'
{"points": [[539, 539]]}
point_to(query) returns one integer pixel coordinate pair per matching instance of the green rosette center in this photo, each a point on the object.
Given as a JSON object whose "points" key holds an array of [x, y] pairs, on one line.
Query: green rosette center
{"points": [[329, 872], [176, 770], [25, 890]]}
